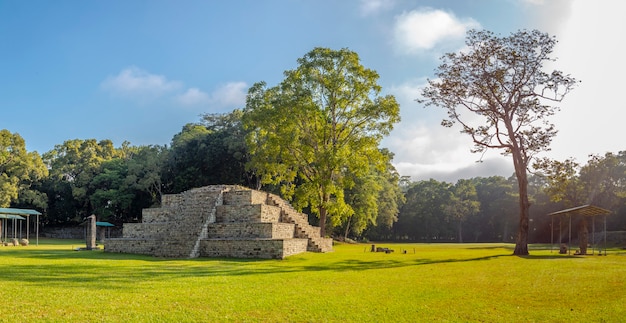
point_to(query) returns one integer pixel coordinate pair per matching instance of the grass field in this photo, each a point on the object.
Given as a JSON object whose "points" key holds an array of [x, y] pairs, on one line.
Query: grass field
{"points": [[430, 283]]}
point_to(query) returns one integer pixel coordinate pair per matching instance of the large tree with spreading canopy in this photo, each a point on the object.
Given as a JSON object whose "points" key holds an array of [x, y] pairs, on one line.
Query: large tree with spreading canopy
{"points": [[497, 90], [323, 121]]}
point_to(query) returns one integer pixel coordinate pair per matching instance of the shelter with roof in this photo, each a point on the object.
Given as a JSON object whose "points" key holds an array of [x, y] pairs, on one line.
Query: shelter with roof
{"points": [[15, 215], [583, 213]]}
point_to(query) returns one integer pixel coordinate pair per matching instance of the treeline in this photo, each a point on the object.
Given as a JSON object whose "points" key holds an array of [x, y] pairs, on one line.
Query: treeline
{"points": [[82, 177], [486, 209]]}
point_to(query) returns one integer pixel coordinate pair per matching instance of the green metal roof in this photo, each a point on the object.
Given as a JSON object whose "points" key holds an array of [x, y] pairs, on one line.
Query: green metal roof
{"points": [[11, 216], [99, 224], [25, 212], [584, 210]]}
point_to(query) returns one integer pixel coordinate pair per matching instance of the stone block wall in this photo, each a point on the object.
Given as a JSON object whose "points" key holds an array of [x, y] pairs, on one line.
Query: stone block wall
{"points": [[257, 248], [250, 231], [247, 213], [145, 231], [245, 197], [220, 221]]}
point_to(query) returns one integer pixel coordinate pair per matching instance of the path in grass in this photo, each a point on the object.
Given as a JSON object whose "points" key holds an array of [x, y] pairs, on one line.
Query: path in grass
{"points": [[431, 282]]}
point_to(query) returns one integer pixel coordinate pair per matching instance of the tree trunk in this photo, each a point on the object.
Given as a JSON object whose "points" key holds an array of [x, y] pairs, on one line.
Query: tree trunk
{"points": [[345, 235], [460, 228], [521, 243], [322, 221]]}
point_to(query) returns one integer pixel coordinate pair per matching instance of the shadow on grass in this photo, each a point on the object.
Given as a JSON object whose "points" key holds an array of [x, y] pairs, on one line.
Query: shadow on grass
{"points": [[102, 271], [508, 247], [554, 256]]}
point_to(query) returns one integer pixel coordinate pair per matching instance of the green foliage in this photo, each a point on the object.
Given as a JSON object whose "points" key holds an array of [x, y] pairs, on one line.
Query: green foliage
{"points": [[375, 198], [145, 168], [605, 179], [73, 166], [323, 122], [111, 195], [463, 204], [213, 152], [89, 177], [423, 216], [19, 172], [601, 182], [563, 181], [498, 203]]}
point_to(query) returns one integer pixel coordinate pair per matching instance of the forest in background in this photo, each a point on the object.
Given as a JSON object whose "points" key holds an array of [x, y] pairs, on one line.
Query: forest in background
{"points": [[84, 176]]}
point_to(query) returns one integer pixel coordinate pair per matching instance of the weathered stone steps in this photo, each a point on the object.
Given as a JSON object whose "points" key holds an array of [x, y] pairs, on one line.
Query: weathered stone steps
{"points": [[221, 221]]}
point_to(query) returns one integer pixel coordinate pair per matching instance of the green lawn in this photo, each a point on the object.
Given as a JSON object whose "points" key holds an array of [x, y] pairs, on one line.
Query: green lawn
{"points": [[431, 282]]}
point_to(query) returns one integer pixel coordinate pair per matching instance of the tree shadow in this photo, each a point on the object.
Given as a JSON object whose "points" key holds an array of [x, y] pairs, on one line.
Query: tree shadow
{"points": [[551, 256], [508, 247], [101, 271]]}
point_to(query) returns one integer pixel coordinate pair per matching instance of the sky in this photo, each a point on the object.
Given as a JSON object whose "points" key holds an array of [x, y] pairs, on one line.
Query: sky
{"points": [[139, 70]]}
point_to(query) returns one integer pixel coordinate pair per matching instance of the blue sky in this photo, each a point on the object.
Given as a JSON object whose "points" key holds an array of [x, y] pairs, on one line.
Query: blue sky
{"points": [[138, 71]]}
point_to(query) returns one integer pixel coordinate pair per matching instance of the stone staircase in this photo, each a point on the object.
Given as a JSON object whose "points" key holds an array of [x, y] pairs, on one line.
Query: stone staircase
{"points": [[303, 229], [221, 221]]}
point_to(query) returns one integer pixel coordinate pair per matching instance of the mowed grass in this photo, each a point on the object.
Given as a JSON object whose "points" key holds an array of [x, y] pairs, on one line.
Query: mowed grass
{"points": [[431, 282]]}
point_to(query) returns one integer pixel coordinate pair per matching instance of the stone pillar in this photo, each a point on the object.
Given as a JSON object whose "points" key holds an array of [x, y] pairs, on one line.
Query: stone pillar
{"points": [[91, 232]]}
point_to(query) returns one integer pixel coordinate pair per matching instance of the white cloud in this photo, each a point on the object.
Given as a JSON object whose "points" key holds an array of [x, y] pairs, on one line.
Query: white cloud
{"points": [[193, 96], [232, 95], [138, 84], [229, 95], [419, 30], [372, 7]]}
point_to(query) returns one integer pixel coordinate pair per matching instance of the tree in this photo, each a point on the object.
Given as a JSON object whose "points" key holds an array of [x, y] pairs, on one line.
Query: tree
{"points": [[496, 197], [563, 183], [145, 167], [463, 204], [423, 216], [391, 197], [500, 82], [604, 178], [19, 170], [375, 198], [210, 152], [73, 166], [111, 195], [323, 121], [601, 181]]}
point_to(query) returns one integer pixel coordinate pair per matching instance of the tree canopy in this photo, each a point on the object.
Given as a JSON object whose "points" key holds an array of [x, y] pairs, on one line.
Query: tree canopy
{"points": [[322, 122], [19, 170], [497, 91]]}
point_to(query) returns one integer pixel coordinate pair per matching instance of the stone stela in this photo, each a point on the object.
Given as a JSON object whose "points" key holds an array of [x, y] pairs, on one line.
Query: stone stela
{"points": [[90, 234]]}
